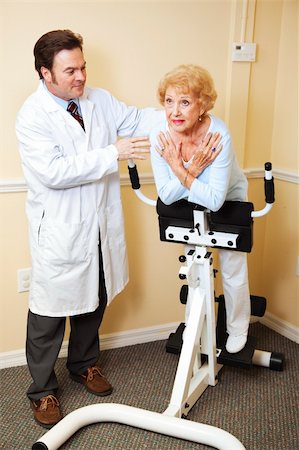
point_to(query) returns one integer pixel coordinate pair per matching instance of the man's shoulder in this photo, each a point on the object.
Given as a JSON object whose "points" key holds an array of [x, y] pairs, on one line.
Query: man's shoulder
{"points": [[36, 100], [31, 99], [31, 107], [36, 107], [95, 94]]}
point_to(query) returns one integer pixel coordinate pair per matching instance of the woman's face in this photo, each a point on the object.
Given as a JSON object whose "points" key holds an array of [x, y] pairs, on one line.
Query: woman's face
{"points": [[182, 110]]}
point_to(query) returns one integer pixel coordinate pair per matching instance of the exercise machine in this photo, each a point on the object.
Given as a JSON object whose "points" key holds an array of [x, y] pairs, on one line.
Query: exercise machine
{"points": [[230, 228], [200, 342]]}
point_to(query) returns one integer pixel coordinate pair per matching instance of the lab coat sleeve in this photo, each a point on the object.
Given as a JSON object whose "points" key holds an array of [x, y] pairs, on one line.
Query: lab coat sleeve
{"points": [[44, 157], [131, 121]]}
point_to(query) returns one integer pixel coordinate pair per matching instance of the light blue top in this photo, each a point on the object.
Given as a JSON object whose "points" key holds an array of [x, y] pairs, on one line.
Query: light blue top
{"points": [[222, 180]]}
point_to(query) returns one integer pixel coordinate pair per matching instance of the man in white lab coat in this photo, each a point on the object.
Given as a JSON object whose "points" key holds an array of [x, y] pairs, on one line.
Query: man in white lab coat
{"points": [[68, 144]]}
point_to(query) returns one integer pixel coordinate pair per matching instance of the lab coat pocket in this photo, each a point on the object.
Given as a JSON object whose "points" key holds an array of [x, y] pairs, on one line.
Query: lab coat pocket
{"points": [[64, 243]]}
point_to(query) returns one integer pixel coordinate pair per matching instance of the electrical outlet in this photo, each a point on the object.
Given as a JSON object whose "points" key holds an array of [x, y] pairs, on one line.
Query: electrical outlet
{"points": [[24, 278]]}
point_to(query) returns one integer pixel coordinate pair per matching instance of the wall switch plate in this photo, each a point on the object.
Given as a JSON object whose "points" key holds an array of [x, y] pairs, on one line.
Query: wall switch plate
{"points": [[243, 51], [297, 267], [24, 279]]}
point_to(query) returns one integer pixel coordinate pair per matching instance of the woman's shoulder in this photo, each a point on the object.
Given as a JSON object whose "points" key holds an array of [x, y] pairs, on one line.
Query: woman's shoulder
{"points": [[160, 125], [218, 124]]}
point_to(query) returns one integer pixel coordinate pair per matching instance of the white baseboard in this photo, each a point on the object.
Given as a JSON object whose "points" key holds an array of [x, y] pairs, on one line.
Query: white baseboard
{"points": [[107, 341], [148, 334], [12, 359], [282, 327]]}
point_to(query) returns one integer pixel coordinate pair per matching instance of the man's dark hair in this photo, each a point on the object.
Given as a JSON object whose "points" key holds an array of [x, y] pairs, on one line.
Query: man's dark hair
{"points": [[50, 44]]}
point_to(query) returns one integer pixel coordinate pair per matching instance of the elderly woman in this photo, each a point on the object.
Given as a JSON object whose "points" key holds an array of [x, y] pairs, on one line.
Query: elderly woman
{"points": [[193, 159]]}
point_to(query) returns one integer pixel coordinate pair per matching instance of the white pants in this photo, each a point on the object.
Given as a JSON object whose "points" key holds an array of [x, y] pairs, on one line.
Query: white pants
{"points": [[234, 274]]}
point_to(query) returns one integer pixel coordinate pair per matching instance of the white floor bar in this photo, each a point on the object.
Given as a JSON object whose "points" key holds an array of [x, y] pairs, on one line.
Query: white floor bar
{"points": [[261, 358], [139, 418]]}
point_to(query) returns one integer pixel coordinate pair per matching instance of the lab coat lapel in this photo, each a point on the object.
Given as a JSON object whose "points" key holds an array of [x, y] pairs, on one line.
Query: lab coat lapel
{"points": [[62, 116], [86, 110]]}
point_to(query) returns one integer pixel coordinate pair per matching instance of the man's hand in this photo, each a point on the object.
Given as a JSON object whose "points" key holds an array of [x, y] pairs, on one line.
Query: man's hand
{"points": [[133, 148]]}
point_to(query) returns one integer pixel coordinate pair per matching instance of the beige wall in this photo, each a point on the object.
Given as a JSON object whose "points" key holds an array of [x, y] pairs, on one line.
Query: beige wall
{"points": [[273, 133], [128, 47]]}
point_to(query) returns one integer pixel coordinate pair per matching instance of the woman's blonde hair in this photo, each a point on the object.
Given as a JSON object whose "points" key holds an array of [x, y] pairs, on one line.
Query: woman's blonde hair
{"points": [[190, 78]]}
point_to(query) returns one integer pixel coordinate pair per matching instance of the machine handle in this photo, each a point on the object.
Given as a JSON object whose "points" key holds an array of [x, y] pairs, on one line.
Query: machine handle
{"points": [[269, 192], [134, 177], [269, 184]]}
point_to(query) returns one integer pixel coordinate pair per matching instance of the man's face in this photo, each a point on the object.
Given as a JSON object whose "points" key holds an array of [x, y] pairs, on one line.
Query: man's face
{"points": [[67, 78]]}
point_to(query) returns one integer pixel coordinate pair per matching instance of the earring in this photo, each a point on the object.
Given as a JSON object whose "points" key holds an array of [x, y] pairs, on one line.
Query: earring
{"points": [[199, 119]]}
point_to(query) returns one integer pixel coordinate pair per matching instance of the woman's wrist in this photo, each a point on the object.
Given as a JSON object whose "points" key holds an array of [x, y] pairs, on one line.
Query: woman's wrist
{"points": [[195, 171], [187, 179]]}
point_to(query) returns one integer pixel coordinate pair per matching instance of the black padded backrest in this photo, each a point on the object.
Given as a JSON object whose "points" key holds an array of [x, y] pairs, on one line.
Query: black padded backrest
{"points": [[232, 217], [233, 213], [182, 209], [235, 217]]}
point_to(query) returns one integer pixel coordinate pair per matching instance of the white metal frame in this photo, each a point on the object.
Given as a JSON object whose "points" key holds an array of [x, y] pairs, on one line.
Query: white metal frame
{"points": [[192, 376], [138, 418]]}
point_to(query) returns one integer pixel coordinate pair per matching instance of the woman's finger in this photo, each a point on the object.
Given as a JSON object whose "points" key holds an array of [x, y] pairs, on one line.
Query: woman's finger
{"points": [[217, 151], [163, 138], [169, 139], [160, 141], [158, 149], [207, 138], [215, 140], [212, 143]]}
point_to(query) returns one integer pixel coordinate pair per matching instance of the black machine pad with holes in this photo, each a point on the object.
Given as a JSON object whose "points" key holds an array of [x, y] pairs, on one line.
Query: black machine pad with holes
{"points": [[232, 217]]}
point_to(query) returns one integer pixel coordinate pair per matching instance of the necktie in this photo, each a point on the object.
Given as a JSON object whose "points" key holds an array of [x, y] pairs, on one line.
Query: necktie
{"points": [[73, 110]]}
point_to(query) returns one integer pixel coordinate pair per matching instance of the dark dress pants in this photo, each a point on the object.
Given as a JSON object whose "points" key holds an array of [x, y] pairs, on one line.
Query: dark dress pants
{"points": [[45, 337]]}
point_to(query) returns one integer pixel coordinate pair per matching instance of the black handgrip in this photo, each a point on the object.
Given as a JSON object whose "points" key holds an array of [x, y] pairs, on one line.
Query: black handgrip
{"points": [[134, 177], [269, 185], [268, 166]]}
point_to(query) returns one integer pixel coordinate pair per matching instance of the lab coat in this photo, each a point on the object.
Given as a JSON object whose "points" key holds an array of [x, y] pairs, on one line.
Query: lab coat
{"points": [[73, 192]]}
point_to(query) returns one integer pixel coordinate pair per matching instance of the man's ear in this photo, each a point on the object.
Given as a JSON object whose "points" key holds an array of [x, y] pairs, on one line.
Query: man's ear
{"points": [[46, 73]]}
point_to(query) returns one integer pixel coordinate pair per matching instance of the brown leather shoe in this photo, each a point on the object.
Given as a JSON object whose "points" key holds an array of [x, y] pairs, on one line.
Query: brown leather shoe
{"points": [[46, 411], [94, 381]]}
